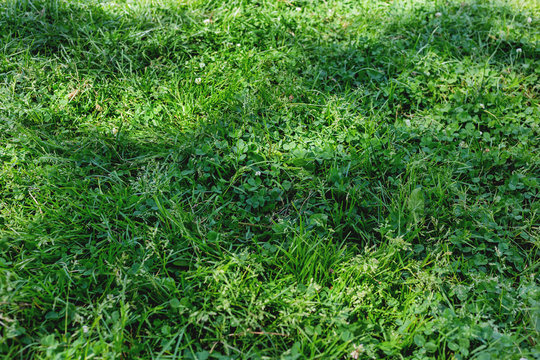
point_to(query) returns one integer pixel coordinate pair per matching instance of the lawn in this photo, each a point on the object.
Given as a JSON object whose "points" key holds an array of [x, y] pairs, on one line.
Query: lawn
{"points": [[269, 179]]}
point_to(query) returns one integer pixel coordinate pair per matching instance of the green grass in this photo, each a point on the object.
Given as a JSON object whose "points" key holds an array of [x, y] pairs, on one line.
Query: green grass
{"points": [[269, 179]]}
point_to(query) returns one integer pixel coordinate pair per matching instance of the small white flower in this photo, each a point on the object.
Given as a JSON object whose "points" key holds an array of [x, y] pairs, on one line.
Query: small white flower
{"points": [[85, 329], [207, 21], [114, 131], [202, 65], [482, 106], [198, 81], [298, 9], [237, 45], [257, 173], [438, 14], [407, 122], [529, 20], [358, 349], [518, 50]]}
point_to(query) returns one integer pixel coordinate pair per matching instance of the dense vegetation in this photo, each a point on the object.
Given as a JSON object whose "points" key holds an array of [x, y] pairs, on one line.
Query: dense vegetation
{"points": [[269, 179]]}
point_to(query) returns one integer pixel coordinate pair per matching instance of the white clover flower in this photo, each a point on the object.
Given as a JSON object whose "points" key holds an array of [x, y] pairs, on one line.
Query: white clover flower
{"points": [[237, 45], [407, 122], [85, 329], [207, 21], [202, 65], [358, 349], [258, 173], [518, 50], [298, 9], [482, 106], [438, 14], [198, 81], [529, 20]]}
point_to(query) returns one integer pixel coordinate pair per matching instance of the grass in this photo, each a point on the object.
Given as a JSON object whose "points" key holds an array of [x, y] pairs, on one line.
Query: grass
{"points": [[269, 179]]}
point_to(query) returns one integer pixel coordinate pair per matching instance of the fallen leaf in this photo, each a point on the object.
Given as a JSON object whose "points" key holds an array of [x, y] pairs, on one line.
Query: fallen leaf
{"points": [[72, 94]]}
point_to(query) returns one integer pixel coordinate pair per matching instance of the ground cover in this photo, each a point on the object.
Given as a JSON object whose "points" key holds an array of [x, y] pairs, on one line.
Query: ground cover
{"points": [[269, 179]]}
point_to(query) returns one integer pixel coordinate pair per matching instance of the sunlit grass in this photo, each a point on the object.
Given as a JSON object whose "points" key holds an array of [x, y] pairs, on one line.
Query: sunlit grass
{"points": [[269, 179]]}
